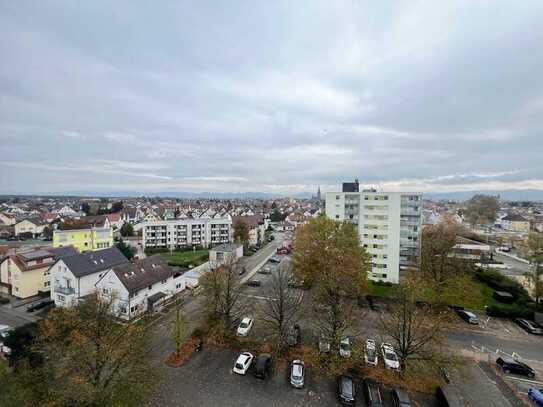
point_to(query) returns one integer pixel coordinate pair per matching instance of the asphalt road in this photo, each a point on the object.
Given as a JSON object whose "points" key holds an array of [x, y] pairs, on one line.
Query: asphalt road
{"points": [[516, 267]]}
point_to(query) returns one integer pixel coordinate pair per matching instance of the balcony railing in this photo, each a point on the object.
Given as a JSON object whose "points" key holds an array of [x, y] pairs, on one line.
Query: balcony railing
{"points": [[64, 290]]}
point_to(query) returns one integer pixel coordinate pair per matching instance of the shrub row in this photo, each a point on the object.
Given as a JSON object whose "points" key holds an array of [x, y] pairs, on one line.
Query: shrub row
{"points": [[510, 311], [496, 280]]}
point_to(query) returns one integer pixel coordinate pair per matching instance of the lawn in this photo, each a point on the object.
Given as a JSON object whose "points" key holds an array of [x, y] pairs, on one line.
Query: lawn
{"points": [[186, 258], [378, 290]]}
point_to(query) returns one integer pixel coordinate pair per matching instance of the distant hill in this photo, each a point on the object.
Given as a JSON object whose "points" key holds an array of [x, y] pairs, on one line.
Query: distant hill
{"points": [[508, 195]]}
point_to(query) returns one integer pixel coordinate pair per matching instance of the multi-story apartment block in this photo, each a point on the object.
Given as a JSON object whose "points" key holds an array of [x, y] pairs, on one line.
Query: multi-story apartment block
{"points": [[178, 233], [85, 234], [388, 223]]}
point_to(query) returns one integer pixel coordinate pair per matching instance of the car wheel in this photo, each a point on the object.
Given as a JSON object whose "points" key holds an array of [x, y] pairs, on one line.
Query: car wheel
{"points": [[531, 375]]}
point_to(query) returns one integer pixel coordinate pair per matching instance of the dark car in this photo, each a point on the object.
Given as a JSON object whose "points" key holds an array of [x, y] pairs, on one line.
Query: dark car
{"points": [[254, 283], [242, 270], [40, 305], [274, 260], [510, 365], [374, 305], [400, 398], [263, 366], [373, 393], [294, 336], [529, 326], [346, 390]]}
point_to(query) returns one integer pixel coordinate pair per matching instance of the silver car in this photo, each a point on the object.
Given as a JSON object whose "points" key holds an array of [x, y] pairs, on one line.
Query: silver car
{"points": [[297, 374]]}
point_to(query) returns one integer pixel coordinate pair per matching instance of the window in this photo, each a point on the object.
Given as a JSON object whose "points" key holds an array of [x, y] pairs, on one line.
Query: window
{"points": [[60, 298], [47, 284], [337, 216], [150, 287], [337, 196], [122, 308]]}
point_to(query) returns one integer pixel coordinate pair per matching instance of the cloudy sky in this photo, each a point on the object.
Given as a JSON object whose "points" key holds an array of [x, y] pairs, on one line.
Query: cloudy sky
{"points": [[270, 96]]}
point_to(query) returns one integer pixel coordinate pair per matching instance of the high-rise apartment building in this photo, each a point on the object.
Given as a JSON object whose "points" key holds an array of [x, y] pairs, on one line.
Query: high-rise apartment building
{"points": [[389, 226]]}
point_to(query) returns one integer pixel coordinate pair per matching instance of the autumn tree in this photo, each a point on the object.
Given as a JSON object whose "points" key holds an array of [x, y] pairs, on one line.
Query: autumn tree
{"points": [[416, 332], [222, 291], [481, 209], [281, 304], [178, 326], [127, 229], [534, 252], [241, 232], [329, 257], [89, 359], [444, 277]]}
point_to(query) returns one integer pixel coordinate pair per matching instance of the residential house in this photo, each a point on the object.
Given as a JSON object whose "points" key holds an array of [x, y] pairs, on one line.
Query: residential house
{"points": [[141, 286], [283, 226], [25, 274], [86, 233], [66, 211], [225, 253], [33, 226], [255, 225], [515, 223], [74, 277], [8, 219], [114, 220], [132, 215]]}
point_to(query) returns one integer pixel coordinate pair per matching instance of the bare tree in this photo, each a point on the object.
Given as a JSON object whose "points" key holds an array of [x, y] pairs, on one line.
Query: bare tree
{"points": [[416, 332], [222, 291], [281, 305], [178, 325]]}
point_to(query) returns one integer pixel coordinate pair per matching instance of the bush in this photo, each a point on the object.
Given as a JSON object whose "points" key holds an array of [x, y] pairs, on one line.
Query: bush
{"points": [[510, 311], [499, 282]]}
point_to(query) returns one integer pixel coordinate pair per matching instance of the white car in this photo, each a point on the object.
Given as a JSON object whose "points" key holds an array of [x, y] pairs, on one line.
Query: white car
{"points": [[345, 347], [245, 326], [390, 357], [4, 332], [371, 357], [243, 363]]}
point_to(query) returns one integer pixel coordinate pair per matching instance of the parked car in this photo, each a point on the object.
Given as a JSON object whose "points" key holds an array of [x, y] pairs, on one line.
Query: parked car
{"points": [[297, 374], [536, 395], [345, 347], [467, 316], [243, 363], [242, 270], [245, 326], [400, 398], [265, 270], [374, 305], [346, 390], [263, 366], [389, 356], [324, 344], [510, 365], [372, 393], [40, 305], [4, 331], [294, 336], [371, 357], [529, 326], [275, 260], [254, 283]]}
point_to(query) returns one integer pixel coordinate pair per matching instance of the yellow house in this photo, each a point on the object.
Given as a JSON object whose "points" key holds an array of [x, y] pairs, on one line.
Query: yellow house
{"points": [[85, 234], [26, 274], [516, 223]]}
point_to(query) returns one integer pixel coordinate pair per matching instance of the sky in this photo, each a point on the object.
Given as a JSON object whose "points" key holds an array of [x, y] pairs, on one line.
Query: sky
{"points": [[279, 97]]}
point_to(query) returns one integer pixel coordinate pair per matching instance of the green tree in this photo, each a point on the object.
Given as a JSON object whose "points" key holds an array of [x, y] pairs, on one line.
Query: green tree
{"points": [[277, 216], [534, 252], [482, 209], [85, 207], [241, 232], [125, 249], [127, 229]]}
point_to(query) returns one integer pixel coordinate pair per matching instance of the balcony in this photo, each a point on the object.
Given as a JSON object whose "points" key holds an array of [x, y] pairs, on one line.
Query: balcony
{"points": [[64, 290]]}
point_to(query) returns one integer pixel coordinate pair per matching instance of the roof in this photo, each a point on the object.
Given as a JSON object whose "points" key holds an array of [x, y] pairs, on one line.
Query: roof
{"points": [[35, 221], [513, 217], [61, 252], [143, 273], [251, 221], [91, 262], [86, 222], [35, 255], [226, 247]]}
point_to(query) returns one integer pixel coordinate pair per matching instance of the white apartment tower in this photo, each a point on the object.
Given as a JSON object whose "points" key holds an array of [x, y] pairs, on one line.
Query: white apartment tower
{"points": [[388, 223]]}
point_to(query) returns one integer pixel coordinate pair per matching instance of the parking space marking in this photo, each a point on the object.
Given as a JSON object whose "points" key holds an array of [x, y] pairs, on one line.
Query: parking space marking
{"points": [[520, 379]]}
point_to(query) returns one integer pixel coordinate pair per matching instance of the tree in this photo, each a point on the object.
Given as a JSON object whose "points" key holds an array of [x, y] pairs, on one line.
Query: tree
{"points": [[416, 332], [125, 249], [328, 256], [178, 328], [241, 232], [90, 359], [127, 229], [277, 216], [48, 233], [482, 209], [117, 207], [85, 207], [534, 252], [443, 277], [222, 291], [281, 303]]}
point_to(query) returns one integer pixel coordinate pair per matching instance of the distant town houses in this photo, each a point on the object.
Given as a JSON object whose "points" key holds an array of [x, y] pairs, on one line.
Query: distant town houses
{"points": [[31, 226], [256, 226], [515, 223]]}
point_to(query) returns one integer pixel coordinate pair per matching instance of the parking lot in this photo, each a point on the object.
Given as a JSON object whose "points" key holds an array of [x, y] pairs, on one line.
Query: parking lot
{"points": [[207, 380]]}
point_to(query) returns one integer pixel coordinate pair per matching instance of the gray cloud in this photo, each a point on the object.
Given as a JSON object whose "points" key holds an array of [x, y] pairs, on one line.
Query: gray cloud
{"points": [[424, 95]]}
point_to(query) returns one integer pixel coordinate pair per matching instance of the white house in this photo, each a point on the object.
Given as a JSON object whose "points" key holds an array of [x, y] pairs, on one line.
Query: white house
{"points": [[224, 253], [34, 226], [140, 286], [75, 276]]}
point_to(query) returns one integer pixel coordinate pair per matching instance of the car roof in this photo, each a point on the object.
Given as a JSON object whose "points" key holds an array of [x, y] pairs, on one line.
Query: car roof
{"points": [[246, 320], [4, 327], [402, 395], [297, 369], [244, 355], [346, 383]]}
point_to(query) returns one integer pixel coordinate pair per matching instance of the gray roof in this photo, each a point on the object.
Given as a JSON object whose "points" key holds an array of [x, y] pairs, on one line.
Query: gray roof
{"points": [[513, 217], [91, 262], [226, 247], [143, 273], [35, 255], [61, 252]]}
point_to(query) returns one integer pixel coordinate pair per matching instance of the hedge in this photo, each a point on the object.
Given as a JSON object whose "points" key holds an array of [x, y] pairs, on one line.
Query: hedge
{"points": [[497, 281], [510, 311]]}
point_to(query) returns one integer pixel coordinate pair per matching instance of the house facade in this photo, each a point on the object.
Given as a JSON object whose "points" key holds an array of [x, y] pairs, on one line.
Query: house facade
{"points": [[225, 253], [86, 234], [26, 274], [180, 233], [139, 287], [515, 223], [74, 277], [33, 226], [389, 226]]}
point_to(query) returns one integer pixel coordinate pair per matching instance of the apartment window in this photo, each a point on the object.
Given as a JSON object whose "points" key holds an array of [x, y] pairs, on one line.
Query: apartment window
{"points": [[164, 281], [60, 298], [122, 308], [337, 196], [47, 284], [150, 287]]}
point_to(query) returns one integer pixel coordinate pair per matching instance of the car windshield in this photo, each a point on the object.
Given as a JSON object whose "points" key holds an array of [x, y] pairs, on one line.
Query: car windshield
{"points": [[391, 356], [344, 346], [244, 324], [347, 387], [370, 353], [239, 366], [297, 372]]}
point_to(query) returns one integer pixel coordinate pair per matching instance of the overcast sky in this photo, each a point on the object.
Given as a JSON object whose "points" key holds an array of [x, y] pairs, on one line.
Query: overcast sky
{"points": [[270, 96]]}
